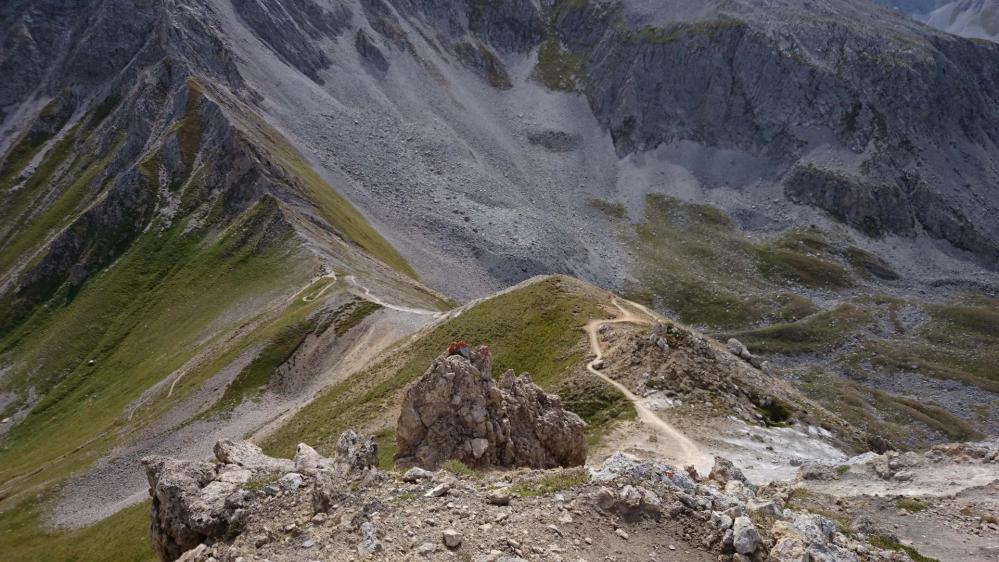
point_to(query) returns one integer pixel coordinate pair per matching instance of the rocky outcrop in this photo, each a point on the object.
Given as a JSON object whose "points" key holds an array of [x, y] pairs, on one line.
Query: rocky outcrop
{"points": [[195, 502], [192, 502], [457, 411]]}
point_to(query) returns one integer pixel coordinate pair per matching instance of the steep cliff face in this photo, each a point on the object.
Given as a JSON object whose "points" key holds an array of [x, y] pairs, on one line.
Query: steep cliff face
{"points": [[913, 109], [975, 19]]}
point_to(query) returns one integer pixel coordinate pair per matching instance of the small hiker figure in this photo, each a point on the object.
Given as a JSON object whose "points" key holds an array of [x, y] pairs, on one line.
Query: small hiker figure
{"points": [[459, 348]]}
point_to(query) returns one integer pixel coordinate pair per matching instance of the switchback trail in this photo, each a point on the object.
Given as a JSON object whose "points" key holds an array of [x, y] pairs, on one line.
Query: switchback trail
{"points": [[671, 442]]}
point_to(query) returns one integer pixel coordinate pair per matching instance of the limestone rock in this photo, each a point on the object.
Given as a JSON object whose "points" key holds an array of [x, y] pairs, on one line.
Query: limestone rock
{"points": [[308, 461], [745, 538], [248, 455], [723, 471], [291, 481], [457, 411], [355, 455], [192, 501], [416, 474], [452, 538]]}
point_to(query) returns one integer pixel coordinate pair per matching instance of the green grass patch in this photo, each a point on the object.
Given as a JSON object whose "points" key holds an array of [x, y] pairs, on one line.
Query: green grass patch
{"points": [[887, 543], [123, 536], [818, 332], [33, 227], [868, 264], [353, 314], [251, 381], [904, 422], [781, 264], [26, 147], [550, 484], [599, 404], [458, 468], [387, 448], [693, 260], [260, 482], [189, 128], [557, 68], [536, 329], [911, 505], [139, 321]]}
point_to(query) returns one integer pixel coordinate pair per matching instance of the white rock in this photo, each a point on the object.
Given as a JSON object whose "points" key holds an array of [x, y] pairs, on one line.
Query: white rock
{"points": [[452, 538]]}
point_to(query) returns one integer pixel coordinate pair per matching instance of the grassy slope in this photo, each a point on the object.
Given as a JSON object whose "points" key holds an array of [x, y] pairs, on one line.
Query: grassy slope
{"points": [[139, 320], [694, 261], [123, 537], [536, 329]]}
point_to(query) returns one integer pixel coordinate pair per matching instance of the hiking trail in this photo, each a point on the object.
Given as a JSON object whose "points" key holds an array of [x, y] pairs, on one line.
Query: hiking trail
{"points": [[670, 442]]}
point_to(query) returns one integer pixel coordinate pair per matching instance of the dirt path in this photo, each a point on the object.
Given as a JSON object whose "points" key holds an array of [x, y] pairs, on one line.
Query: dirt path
{"points": [[368, 296], [669, 442]]}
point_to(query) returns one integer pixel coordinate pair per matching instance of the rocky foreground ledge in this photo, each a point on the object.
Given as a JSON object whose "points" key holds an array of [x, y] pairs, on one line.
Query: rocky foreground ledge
{"points": [[250, 506]]}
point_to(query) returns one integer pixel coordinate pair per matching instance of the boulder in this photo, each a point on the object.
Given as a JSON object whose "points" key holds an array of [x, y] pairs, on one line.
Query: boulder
{"points": [[745, 538], [193, 501], [457, 411], [723, 471], [808, 537], [416, 474], [815, 471], [248, 455], [308, 461], [354, 455]]}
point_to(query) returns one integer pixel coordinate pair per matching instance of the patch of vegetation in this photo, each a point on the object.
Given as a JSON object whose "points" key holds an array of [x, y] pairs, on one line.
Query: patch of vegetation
{"points": [[25, 148], [123, 536], [781, 264], [536, 329], [189, 128], [693, 260], [842, 469], [599, 404], [387, 448], [775, 413], [911, 505], [261, 482], [817, 332], [50, 214], [612, 210], [252, 380], [139, 321], [353, 314], [679, 31], [558, 68], [868, 264], [970, 367], [458, 468], [887, 543], [904, 422], [550, 484]]}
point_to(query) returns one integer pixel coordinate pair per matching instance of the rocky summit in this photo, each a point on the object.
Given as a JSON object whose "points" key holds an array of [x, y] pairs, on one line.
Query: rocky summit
{"points": [[456, 411]]}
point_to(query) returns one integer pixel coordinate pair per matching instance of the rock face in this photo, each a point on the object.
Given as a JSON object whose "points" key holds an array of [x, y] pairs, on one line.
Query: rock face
{"points": [[195, 502], [192, 502], [457, 411]]}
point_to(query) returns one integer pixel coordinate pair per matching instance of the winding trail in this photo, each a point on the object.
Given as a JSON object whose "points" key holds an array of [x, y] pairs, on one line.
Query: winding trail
{"points": [[670, 441], [368, 296]]}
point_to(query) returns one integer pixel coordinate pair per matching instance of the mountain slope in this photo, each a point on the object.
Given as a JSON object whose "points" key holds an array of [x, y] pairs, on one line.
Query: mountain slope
{"points": [[211, 211], [153, 224], [975, 19]]}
